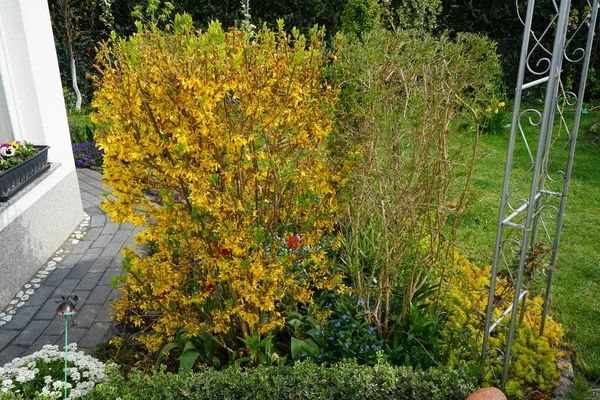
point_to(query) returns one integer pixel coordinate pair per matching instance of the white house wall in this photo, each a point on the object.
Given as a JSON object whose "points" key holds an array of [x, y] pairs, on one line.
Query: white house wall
{"points": [[38, 220]]}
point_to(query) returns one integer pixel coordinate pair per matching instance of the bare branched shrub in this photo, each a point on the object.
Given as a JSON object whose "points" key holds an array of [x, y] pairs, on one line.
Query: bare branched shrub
{"points": [[412, 106]]}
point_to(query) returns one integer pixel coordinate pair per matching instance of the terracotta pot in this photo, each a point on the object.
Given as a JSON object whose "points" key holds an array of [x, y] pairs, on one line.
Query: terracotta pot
{"points": [[490, 393]]}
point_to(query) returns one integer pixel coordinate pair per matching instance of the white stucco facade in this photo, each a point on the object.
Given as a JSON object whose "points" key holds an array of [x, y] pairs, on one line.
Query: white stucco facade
{"points": [[37, 221]]}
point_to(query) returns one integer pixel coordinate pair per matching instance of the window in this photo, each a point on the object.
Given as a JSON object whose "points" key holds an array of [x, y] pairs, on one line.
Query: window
{"points": [[9, 121], [6, 133]]}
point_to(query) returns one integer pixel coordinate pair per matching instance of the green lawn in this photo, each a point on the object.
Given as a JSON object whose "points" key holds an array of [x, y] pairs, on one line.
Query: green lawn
{"points": [[576, 290]]}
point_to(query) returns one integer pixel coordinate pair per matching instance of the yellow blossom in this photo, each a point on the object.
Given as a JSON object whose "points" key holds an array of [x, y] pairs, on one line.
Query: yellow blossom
{"points": [[220, 154]]}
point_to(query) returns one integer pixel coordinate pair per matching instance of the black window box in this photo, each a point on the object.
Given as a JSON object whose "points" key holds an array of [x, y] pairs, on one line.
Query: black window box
{"points": [[16, 178]]}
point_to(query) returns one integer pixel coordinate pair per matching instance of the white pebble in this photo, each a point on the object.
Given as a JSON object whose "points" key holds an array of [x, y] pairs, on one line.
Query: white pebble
{"points": [[30, 291], [75, 241], [7, 318], [36, 285], [36, 280], [15, 301], [27, 286], [21, 304], [51, 263], [20, 294]]}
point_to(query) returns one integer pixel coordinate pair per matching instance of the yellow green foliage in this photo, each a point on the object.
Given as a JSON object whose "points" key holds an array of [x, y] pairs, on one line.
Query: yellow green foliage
{"points": [[215, 142], [533, 361]]}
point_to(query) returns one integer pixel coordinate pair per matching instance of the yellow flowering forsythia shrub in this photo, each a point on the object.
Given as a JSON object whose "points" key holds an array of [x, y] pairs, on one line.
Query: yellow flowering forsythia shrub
{"points": [[534, 357], [215, 142]]}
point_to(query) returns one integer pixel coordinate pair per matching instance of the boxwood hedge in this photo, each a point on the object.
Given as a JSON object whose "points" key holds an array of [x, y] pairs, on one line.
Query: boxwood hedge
{"points": [[303, 380]]}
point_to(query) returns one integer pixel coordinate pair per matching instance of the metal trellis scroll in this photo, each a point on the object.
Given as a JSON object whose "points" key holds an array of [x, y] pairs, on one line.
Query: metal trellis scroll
{"points": [[536, 182]]}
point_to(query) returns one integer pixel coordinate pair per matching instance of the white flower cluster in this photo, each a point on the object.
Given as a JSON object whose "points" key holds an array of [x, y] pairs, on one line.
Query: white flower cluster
{"points": [[83, 373]]}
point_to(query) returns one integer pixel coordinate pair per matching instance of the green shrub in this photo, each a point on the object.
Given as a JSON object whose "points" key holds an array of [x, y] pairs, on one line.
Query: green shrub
{"points": [[404, 95], [303, 380]]}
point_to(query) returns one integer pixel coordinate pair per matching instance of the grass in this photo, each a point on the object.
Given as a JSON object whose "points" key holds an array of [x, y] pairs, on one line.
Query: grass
{"points": [[80, 126], [575, 301]]}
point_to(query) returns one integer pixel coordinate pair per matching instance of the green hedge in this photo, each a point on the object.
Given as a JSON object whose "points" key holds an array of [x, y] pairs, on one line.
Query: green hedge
{"points": [[304, 380]]}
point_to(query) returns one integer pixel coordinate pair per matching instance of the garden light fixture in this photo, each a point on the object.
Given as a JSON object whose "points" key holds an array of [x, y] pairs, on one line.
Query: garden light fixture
{"points": [[67, 309]]}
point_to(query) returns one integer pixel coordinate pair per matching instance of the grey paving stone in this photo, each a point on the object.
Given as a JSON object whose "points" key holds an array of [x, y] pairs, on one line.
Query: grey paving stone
{"points": [[82, 296], [89, 281], [115, 294], [30, 333], [120, 237], [41, 342], [82, 247], [105, 314], [94, 335], [117, 261], [108, 275], [130, 242], [93, 233], [102, 240], [98, 295], [48, 310], [95, 180], [127, 226], [91, 198], [86, 187], [112, 249], [79, 271], [110, 228], [41, 295], [6, 336], [70, 261], [91, 209], [91, 255], [87, 205], [11, 352], [86, 316], [56, 327], [101, 264], [97, 221], [66, 287], [74, 335], [23, 316], [56, 277]]}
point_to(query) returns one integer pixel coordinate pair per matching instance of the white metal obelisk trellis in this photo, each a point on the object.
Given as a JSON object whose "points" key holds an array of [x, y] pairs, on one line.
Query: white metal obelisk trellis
{"points": [[536, 183]]}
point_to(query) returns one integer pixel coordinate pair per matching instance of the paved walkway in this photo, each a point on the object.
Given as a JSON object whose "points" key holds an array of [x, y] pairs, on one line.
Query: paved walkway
{"points": [[83, 266]]}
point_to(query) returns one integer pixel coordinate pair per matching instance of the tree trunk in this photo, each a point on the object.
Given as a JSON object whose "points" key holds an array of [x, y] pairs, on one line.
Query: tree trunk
{"points": [[74, 81], [67, 26]]}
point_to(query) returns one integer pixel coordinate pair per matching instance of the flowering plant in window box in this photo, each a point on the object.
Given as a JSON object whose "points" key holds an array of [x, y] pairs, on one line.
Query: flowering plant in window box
{"points": [[20, 163], [14, 153]]}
